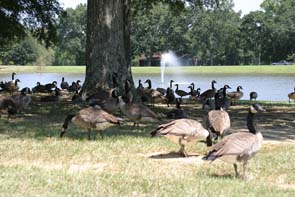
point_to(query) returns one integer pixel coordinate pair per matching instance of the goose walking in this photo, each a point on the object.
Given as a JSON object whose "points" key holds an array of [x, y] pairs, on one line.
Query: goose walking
{"points": [[241, 146], [91, 118], [183, 132]]}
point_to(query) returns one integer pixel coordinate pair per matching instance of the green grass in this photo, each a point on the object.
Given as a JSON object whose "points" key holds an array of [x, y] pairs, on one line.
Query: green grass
{"points": [[34, 161], [290, 70]]}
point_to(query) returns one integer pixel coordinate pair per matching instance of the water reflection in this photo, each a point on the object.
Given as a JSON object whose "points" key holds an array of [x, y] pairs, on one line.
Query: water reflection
{"points": [[269, 87]]}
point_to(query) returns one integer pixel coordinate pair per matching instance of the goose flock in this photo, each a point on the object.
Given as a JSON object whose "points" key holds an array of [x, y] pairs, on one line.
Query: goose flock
{"points": [[101, 112]]}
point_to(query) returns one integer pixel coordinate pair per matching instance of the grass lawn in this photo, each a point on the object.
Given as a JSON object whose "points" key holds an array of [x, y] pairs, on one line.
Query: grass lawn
{"points": [[34, 161], [187, 69]]}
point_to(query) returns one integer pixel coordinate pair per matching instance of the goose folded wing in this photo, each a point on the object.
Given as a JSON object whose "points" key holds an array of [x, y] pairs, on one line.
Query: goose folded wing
{"points": [[234, 144]]}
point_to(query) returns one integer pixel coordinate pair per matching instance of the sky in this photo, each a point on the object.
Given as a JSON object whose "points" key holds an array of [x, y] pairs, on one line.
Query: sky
{"points": [[244, 5]]}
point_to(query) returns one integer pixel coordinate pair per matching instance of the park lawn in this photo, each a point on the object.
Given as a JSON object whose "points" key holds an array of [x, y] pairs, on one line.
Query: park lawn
{"points": [[290, 70], [34, 161]]}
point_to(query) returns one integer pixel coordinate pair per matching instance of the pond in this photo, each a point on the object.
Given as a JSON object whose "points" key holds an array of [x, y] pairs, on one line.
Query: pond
{"points": [[269, 87]]}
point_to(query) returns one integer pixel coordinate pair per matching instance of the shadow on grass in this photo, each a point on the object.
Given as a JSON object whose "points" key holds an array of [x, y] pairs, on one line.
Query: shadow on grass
{"points": [[45, 120], [172, 155]]}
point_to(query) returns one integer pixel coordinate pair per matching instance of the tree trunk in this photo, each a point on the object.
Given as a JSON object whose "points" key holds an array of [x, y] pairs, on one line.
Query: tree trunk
{"points": [[108, 59]]}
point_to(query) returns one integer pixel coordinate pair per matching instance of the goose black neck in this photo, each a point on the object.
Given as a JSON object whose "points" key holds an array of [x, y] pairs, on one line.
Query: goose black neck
{"points": [[250, 123], [193, 86], [224, 92], [212, 84], [67, 120], [171, 84], [150, 84]]}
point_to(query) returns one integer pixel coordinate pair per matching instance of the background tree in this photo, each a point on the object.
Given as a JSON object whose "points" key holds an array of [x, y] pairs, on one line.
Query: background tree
{"points": [[26, 52], [71, 37], [17, 18]]}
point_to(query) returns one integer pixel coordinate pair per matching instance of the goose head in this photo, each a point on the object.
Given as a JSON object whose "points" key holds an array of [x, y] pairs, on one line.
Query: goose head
{"points": [[226, 87], [239, 88]]}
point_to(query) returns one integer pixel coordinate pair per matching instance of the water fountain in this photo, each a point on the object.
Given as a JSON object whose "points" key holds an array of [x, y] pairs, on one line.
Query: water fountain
{"points": [[168, 59]]}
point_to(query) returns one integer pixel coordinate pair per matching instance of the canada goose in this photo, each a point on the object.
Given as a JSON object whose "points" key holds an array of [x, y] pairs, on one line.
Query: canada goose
{"points": [[253, 96], [292, 95], [39, 88], [12, 75], [170, 94], [208, 94], [51, 98], [208, 104], [22, 100], [12, 86], [140, 92], [218, 122], [49, 87], [7, 105], [178, 112], [236, 95], [64, 85], [240, 146], [180, 93], [75, 86], [76, 97], [110, 104], [128, 96], [183, 132], [78, 85], [91, 118], [135, 111], [193, 93], [221, 99], [153, 95]]}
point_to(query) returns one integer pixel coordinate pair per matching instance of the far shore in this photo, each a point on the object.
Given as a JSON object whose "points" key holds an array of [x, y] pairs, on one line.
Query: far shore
{"points": [[253, 69]]}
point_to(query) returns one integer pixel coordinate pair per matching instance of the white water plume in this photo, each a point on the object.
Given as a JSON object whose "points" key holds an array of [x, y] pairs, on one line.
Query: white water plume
{"points": [[168, 59]]}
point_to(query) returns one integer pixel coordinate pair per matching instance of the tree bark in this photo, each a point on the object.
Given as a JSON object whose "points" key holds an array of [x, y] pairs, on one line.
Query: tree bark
{"points": [[108, 54]]}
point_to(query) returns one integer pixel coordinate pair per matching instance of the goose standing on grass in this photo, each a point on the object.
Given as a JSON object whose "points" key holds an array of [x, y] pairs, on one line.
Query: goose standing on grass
{"points": [[140, 92], [183, 132], [292, 95], [221, 99], [128, 96], [170, 94], [91, 118], [7, 105], [208, 94], [135, 111], [22, 100], [64, 85], [254, 95], [236, 95], [241, 146], [218, 122], [12, 86], [179, 92], [177, 113]]}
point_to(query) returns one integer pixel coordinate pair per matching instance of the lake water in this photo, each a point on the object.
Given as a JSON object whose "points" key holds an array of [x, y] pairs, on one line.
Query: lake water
{"points": [[269, 87]]}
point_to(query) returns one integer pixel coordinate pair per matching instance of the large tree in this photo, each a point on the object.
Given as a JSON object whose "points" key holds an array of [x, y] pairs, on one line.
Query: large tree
{"points": [[108, 51], [107, 45]]}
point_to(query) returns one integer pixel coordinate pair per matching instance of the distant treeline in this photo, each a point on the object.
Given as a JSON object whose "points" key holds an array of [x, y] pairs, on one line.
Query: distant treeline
{"points": [[213, 36]]}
